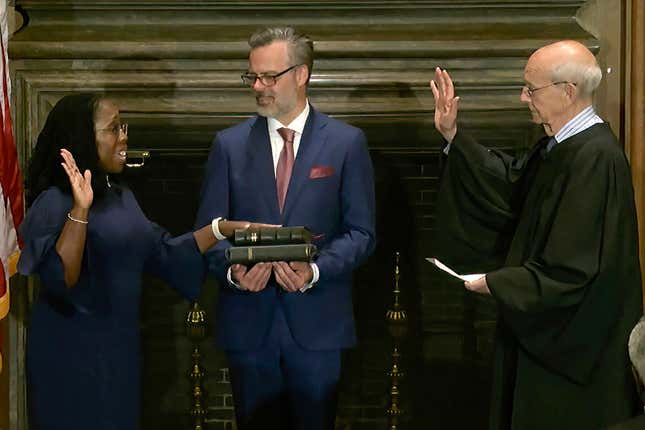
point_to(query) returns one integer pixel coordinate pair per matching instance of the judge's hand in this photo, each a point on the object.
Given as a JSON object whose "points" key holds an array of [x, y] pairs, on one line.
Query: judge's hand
{"points": [[446, 104], [81, 184], [478, 286], [227, 228], [292, 276], [254, 279]]}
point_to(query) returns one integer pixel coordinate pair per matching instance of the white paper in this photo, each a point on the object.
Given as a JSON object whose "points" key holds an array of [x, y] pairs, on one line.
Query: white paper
{"points": [[468, 278]]}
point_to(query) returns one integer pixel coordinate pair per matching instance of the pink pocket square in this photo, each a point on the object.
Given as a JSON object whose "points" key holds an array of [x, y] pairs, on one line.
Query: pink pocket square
{"points": [[321, 172]]}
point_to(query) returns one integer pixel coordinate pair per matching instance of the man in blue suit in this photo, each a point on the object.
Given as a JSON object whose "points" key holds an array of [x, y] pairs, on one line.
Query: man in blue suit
{"points": [[283, 325]]}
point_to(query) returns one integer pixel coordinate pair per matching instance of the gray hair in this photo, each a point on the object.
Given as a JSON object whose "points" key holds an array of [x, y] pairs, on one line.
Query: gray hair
{"points": [[586, 76], [301, 47], [636, 346]]}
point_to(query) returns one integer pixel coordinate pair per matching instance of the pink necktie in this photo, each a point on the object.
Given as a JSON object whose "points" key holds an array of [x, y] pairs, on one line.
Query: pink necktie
{"points": [[285, 165]]}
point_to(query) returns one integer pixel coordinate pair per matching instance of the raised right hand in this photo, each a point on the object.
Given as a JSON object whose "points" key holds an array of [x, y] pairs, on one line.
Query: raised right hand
{"points": [[446, 104], [81, 184], [254, 279]]}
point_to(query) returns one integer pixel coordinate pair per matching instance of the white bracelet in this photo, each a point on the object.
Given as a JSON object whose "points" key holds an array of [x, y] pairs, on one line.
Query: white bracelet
{"points": [[215, 227], [71, 218]]}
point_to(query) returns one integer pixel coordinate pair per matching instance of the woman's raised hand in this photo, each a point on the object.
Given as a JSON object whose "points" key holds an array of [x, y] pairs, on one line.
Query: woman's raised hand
{"points": [[81, 184]]}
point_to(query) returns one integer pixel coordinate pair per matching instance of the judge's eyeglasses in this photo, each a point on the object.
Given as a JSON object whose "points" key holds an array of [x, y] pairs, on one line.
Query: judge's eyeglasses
{"points": [[529, 91]]}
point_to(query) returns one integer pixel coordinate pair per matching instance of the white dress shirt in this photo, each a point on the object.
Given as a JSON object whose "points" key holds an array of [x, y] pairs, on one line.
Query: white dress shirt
{"points": [[585, 119]]}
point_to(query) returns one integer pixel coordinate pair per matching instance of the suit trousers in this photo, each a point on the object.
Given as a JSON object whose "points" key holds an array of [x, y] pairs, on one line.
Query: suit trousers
{"points": [[284, 386]]}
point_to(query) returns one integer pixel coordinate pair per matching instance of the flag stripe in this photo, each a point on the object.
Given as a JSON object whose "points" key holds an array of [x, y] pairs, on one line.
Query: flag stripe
{"points": [[11, 202], [9, 171]]}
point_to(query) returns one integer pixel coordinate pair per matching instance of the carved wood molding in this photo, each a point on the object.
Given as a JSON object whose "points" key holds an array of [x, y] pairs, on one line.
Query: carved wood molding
{"points": [[363, 29], [175, 65]]}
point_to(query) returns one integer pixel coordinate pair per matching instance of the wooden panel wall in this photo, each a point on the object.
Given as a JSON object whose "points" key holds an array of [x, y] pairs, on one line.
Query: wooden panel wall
{"points": [[636, 117], [174, 68]]}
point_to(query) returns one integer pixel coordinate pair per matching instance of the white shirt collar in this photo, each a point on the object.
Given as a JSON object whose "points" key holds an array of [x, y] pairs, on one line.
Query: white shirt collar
{"points": [[298, 124], [585, 119]]}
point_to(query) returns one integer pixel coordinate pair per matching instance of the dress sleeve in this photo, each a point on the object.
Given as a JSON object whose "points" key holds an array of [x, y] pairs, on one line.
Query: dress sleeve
{"points": [[177, 261], [40, 231]]}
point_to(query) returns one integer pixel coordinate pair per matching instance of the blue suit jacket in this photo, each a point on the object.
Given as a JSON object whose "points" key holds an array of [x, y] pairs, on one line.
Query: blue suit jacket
{"points": [[240, 185]]}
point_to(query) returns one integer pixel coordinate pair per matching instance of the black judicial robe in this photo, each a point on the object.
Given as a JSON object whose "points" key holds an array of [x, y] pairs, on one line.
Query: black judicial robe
{"points": [[556, 234]]}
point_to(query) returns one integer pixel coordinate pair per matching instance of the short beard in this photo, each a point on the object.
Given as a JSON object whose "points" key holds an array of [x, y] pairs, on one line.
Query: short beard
{"points": [[264, 111], [276, 110]]}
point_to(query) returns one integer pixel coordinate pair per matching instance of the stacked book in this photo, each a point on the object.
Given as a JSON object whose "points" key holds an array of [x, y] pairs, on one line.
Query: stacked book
{"points": [[271, 244]]}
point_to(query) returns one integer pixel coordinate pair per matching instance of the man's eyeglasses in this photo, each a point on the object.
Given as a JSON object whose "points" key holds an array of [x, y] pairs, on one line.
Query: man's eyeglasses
{"points": [[267, 80], [123, 127], [529, 91]]}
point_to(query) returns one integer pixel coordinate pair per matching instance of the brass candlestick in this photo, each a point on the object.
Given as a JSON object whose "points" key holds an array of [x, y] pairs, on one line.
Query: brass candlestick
{"points": [[396, 314], [397, 318], [196, 332], [394, 410]]}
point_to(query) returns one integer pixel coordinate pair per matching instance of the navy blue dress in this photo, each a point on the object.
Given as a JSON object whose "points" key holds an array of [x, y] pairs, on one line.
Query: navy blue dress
{"points": [[83, 351]]}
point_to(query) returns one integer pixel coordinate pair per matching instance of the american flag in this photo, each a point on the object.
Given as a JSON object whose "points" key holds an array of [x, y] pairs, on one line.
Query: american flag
{"points": [[11, 203]]}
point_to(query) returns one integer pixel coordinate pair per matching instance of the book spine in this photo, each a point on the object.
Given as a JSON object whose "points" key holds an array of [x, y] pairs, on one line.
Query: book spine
{"points": [[272, 236], [256, 254]]}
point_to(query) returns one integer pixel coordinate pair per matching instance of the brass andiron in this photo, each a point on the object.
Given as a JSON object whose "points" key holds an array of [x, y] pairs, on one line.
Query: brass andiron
{"points": [[196, 332], [396, 318]]}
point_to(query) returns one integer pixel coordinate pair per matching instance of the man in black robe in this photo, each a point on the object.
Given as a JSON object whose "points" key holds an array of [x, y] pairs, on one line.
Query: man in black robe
{"points": [[555, 232]]}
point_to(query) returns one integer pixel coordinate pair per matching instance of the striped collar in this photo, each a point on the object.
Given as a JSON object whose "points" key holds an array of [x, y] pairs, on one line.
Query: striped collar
{"points": [[585, 119]]}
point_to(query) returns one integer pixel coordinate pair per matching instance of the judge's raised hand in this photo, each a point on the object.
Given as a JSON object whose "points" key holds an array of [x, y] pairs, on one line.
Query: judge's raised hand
{"points": [[254, 279], [446, 105], [81, 184], [478, 286], [292, 276]]}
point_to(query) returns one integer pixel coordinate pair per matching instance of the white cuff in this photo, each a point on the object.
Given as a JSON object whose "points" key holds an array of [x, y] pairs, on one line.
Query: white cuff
{"points": [[215, 226], [232, 282], [314, 278]]}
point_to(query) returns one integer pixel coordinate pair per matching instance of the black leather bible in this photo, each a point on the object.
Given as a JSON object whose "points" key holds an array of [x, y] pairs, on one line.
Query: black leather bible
{"points": [[248, 255]]}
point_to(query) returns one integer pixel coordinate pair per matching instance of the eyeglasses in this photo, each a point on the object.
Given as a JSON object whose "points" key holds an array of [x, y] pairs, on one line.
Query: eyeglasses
{"points": [[123, 127], [529, 91], [267, 80]]}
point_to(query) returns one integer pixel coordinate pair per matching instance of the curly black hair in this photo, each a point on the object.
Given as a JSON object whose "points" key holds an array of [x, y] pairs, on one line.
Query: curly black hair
{"points": [[69, 125]]}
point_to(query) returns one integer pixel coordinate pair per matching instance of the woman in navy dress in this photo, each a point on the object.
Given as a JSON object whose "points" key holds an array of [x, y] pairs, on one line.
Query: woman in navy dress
{"points": [[88, 240]]}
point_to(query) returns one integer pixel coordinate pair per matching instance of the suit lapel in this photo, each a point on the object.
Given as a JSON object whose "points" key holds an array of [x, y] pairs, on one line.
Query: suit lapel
{"points": [[311, 142], [261, 164]]}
